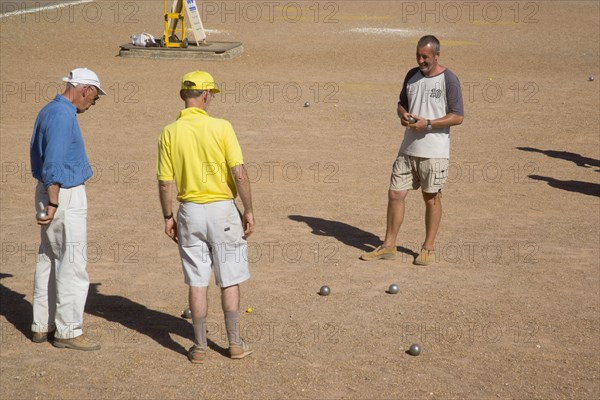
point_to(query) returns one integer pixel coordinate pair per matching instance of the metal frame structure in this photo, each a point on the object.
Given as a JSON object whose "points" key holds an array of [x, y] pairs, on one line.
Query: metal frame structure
{"points": [[174, 17]]}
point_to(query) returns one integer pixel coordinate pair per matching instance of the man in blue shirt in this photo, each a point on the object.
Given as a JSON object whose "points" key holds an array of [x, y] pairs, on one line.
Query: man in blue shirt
{"points": [[60, 164]]}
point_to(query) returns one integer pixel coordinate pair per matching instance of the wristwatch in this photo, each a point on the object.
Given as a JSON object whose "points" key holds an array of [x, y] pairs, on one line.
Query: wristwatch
{"points": [[429, 127]]}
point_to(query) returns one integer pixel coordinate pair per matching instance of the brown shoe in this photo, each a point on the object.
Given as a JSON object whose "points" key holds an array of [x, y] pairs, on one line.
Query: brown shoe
{"points": [[77, 343], [41, 337], [380, 253], [237, 351], [196, 354], [426, 257]]}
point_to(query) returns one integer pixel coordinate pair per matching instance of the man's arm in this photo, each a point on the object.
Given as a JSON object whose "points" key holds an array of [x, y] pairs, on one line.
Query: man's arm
{"points": [[242, 183], [446, 121], [403, 99], [165, 193], [55, 148]]}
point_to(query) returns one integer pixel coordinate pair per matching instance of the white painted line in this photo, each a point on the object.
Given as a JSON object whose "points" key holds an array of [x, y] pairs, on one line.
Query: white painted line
{"points": [[385, 31], [43, 8], [216, 32]]}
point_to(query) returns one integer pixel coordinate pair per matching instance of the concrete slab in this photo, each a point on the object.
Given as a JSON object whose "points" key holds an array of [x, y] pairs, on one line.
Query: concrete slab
{"points": [[204, 51]]}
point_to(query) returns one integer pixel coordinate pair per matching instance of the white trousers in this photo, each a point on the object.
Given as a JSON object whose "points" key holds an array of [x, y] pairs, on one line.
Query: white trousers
{"points": [[61, 280]]}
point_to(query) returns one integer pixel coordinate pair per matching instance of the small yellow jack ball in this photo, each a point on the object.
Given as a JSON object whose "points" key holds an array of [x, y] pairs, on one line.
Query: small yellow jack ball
{"points": [[249, 310]]}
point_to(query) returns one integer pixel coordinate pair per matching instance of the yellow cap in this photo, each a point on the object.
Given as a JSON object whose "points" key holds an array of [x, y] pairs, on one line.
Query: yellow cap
{"points": [[198, 80]]}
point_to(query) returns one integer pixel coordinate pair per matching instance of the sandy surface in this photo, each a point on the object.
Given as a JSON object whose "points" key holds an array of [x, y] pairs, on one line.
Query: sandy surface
{"points": [[511, 308]]}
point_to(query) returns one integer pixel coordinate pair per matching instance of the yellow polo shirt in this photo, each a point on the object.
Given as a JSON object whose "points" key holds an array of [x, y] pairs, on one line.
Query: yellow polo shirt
{"points": [[198, 151]]}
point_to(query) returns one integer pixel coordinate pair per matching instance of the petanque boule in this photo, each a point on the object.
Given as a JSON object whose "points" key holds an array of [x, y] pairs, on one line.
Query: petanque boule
{"points": [[187, 313], [393, 289], [325, 290], [41, 215], [307, 104], [414, 350], [591, 78]]}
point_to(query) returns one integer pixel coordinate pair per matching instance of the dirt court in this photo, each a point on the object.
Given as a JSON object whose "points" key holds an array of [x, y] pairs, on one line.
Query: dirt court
{"points": [[511, 308]]}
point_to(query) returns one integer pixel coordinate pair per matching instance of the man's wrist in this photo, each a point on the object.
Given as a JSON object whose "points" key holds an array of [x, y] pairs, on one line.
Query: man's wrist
{"points": [[167, 217], [51, 204]]}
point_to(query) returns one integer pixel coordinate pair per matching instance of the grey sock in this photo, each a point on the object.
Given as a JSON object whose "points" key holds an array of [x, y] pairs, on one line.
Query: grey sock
{"points": [[199, 325], [232, 326]]}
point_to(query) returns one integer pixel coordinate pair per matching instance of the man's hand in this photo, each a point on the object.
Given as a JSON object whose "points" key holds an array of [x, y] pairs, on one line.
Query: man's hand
{"points": [[50, 212], [171, 228], [404, 119], [248, 223], [420, 125], [53, 197], [407, 119]]}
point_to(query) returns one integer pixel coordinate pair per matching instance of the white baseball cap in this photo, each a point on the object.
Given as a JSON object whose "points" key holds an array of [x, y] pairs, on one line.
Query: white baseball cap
{"points": [[84, 76]]}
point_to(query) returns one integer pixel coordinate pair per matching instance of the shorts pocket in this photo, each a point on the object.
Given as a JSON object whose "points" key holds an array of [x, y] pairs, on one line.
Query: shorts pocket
{"points": [[440, 177], [232, 227]]}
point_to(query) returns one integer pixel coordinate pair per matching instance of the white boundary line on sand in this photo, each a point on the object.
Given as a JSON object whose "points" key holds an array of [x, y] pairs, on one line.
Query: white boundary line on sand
{"points": [[385, 31], [216, 32], [48, 7]]}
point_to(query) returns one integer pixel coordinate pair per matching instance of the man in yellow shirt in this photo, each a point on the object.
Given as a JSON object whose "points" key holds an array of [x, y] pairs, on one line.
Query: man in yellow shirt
{"points": [[201, 156]]}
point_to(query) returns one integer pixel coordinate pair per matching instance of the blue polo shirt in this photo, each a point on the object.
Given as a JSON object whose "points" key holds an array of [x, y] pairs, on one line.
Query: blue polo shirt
{"points": [[57, 152]]}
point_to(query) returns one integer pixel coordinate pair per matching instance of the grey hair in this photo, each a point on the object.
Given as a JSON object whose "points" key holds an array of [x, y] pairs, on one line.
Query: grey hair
{"points": [[186, 94], [432, 40]]}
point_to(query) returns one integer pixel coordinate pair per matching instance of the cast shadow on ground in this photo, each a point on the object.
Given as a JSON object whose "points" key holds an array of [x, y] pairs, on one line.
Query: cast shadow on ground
{"points": [[15, 308], [587, 188], [155, 324], [347, 234], [578, 159]]}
